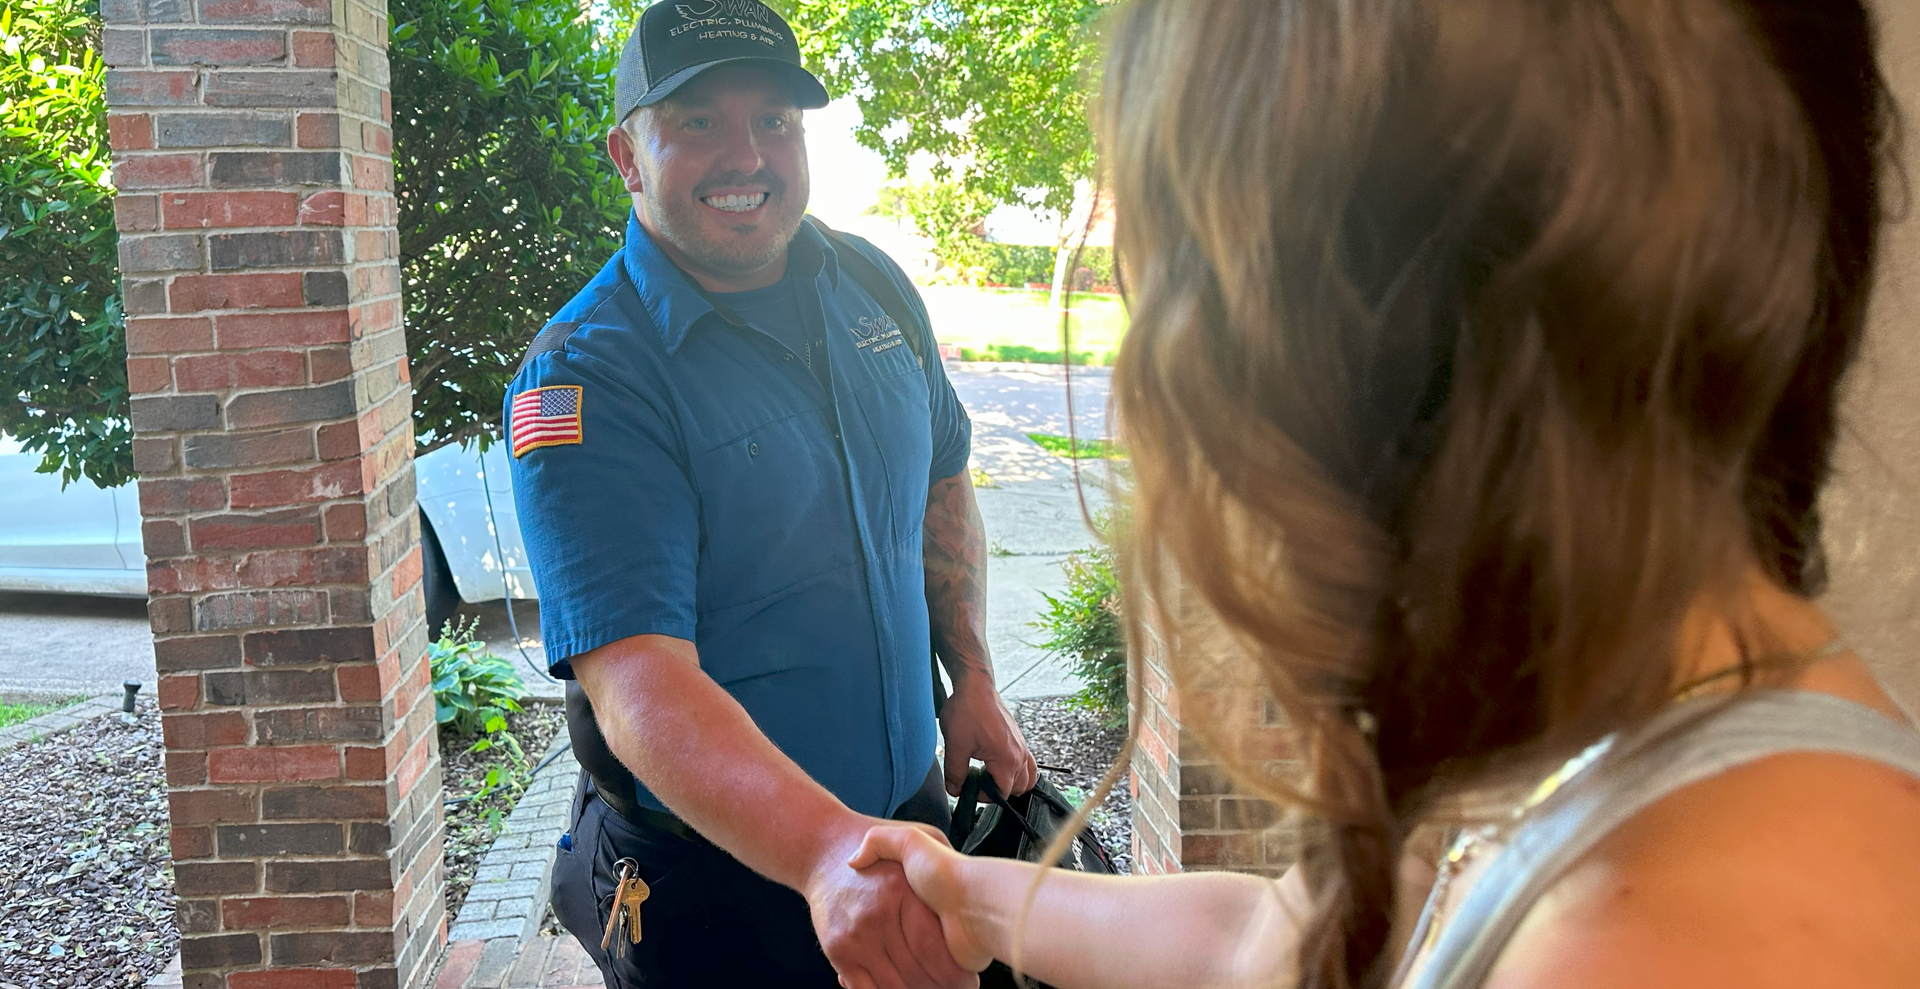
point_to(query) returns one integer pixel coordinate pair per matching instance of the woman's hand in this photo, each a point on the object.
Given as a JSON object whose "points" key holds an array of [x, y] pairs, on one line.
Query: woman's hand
{"points": [[933, 870]]}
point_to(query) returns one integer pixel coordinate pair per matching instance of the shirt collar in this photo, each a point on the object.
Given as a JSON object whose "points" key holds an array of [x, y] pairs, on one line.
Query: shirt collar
{"points": [[676, 304]]}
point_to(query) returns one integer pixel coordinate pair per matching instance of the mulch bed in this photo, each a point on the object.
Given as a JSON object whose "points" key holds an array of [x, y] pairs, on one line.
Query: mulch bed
{"points": [[1081, 750], [473, 823], [86, 877], [88, 880]]}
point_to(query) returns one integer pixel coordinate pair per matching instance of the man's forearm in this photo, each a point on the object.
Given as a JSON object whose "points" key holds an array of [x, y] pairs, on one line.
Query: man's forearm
{"points": [[954, 552], [699, 751]]}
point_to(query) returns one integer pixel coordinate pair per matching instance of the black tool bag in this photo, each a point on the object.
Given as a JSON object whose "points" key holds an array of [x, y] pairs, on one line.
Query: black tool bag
{"points": [[1021, 827]]}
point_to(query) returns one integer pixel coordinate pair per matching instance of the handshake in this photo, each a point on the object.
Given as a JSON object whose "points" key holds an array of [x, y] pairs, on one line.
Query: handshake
{"points": [[893, 913]]}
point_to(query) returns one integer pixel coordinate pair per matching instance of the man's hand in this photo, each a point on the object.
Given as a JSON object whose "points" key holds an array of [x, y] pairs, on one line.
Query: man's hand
{"points": [[933, 868], [977, 725], [874, 930], [975, 721], [698, 751]]}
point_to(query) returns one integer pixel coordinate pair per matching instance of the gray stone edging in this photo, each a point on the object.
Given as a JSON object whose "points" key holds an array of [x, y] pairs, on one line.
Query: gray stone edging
{"points": [[510, 891], [54, 722]]}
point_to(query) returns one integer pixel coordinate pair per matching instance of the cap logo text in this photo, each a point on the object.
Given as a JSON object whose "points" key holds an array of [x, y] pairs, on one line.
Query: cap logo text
{"points": [[746, 20]]}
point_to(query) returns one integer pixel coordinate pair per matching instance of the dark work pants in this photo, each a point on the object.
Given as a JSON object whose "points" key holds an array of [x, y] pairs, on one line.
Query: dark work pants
{"points": [[709, 921]]}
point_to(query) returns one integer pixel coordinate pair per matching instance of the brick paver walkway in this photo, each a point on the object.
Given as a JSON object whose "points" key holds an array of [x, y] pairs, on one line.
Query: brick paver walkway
{"points": [[539, 962]]}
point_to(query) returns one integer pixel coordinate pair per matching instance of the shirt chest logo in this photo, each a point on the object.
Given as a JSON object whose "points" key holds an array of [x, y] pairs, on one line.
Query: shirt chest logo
{"points": [[876, 334]]}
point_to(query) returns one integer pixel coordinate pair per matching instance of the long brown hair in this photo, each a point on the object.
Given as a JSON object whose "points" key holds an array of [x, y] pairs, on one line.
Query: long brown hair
{"points": [[1472, 342]]}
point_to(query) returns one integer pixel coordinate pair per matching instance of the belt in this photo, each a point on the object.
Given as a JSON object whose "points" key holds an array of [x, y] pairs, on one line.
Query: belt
{"points": [[932, 795], [646, 817]]}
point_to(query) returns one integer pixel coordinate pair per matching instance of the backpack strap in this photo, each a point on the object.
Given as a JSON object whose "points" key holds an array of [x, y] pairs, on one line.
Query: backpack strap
{"points": [[876, 283], [966, 809]]}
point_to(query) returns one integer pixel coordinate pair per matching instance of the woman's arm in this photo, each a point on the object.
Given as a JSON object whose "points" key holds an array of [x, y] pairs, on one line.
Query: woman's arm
{"points": [[1197, 929]]}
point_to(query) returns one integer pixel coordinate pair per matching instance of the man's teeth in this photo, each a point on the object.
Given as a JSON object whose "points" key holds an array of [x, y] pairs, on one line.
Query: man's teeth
{"points": [[736, 204]]}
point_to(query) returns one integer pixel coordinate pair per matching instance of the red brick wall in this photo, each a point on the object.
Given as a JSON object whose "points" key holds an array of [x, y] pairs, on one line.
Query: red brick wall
{"points": [[1188, 814], [271, 413]]}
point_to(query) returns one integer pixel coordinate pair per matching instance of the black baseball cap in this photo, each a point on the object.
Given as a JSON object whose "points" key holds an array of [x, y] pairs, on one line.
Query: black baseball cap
{"points": [[679, 39]]}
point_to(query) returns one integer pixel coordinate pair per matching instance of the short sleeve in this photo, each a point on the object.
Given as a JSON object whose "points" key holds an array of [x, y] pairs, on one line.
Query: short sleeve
{"points": [[610, 521]]}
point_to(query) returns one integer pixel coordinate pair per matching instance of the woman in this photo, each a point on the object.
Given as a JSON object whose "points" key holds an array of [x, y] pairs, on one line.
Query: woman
{"points": [[1480, 389]]}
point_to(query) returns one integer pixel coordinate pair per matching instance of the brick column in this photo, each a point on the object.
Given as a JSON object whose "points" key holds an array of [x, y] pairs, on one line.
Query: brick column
{"points": [[1154, 775], [271, 415], [1187, 812]]}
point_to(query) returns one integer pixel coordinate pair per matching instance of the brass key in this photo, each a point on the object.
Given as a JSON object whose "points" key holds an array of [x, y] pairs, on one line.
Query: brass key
{"points": [[628, 869], [627, 897], [636, 894]]}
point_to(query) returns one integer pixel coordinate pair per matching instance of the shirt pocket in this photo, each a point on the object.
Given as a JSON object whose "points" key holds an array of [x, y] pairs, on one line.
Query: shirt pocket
{"points": [[896, 408], [773, 512]]}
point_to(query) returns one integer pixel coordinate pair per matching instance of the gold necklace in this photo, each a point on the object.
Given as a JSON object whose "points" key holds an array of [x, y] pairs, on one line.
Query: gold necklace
{"points": [[1793, 662]]}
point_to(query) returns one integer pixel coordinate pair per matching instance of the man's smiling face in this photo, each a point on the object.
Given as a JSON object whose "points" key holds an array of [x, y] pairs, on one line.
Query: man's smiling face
{"points": [[720, 172]]}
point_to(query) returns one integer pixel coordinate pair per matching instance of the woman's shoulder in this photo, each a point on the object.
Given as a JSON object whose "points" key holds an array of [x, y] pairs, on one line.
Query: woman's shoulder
{"points": [[1798, 869]]}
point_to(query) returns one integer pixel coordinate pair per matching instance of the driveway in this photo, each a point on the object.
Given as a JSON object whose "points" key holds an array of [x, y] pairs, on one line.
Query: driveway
{"points": [[53, 644]]}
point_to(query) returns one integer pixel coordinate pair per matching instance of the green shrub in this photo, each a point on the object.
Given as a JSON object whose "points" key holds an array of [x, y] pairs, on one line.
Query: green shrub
{"points": [[1024, 264], [472, 688], [1017, 264], [1019, 353], [508, 204], [1083, 626], [63, 385]]}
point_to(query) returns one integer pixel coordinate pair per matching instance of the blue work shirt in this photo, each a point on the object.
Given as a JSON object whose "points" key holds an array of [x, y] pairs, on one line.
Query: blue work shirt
{"points": [[714, 490]]}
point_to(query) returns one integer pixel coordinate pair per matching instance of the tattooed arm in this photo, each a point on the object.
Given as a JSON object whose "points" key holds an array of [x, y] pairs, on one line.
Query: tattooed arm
{"points": [[975, 721]]}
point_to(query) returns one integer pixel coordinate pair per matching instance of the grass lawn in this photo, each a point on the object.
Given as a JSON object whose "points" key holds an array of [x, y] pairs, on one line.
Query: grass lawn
{"points": [[980, 318], [1080, 449], [13, 714]]}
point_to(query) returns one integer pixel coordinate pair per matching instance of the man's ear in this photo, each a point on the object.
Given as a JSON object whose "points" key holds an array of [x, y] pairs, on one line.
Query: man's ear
{"points": [[621, 149]]}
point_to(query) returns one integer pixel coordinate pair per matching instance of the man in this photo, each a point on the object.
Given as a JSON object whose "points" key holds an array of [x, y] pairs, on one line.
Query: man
{"points": [[745, 496]]}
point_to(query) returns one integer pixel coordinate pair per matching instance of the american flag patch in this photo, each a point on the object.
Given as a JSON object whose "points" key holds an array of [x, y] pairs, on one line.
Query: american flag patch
{"points": [[547, 416]]}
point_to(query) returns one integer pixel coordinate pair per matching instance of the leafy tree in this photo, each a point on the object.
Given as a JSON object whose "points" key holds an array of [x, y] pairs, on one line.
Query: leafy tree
{"points": [[995, 92], [507, 207], [507, 202], [63, 384], [949, 214]]}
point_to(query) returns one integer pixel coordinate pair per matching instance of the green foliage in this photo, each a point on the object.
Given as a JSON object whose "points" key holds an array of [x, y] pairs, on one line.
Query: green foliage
{"points": [[1024, 264], [1083, 626], [996, 92], [472, 688], [1019, 353], [949, 214], [1079, 447], [63, 385], [508, 204], [513, 775]]}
